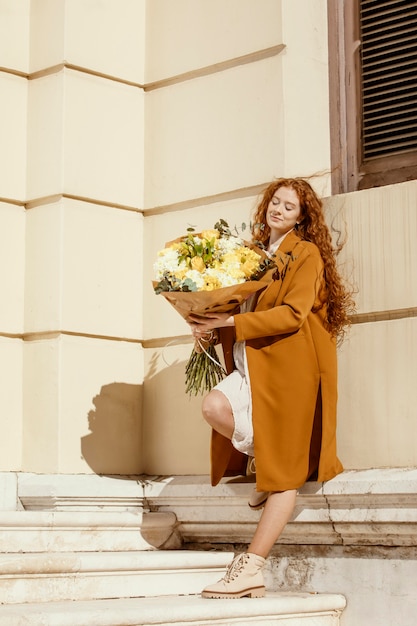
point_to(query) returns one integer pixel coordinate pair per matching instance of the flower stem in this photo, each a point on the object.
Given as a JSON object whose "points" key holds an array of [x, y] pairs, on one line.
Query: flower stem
{"points": [[201, 372]]}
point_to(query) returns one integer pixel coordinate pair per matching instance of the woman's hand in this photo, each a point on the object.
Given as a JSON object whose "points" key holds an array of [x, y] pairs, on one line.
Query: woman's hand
{"points": [[201, 326]]}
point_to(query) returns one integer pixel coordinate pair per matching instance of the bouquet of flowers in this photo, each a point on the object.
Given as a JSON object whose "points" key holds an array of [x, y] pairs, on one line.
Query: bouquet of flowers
{"points": [[212, 271]]}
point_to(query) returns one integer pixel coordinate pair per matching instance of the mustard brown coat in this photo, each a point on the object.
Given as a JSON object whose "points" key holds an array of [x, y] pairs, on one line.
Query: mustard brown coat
{"points": [[292, 366]]}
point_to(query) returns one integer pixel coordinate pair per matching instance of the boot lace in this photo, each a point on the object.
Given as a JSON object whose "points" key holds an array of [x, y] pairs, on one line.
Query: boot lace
{"points": [[236, 567]]}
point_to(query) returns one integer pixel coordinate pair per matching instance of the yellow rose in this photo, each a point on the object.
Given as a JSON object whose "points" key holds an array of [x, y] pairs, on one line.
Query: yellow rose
{"points": [[197, 263]]}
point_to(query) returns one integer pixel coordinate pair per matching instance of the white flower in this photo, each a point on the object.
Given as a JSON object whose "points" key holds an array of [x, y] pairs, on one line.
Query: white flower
{"points": [[197, 278], [228, 244], [167, 261]]}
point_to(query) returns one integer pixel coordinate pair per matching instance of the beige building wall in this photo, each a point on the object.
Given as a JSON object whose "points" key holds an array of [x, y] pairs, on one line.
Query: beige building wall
{"points": [[122, 129], [72, 366], [378, 366]]}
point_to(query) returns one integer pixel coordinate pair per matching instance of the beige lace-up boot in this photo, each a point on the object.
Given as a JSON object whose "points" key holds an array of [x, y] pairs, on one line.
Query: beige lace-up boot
{"points": [[243, 578]]}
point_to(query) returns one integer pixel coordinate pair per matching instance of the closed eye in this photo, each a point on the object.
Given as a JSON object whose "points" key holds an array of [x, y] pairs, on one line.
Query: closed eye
{"points": [[288, 206]]}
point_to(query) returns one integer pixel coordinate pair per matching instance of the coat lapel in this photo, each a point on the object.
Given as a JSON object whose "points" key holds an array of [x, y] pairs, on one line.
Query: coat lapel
{"points": [[283, 258]]}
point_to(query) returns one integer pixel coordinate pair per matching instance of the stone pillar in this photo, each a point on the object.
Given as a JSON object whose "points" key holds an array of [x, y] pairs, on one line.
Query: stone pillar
{"points": [[73, 226]]}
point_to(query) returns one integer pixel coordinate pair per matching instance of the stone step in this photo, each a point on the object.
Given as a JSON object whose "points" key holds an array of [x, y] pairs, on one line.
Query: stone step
{"points": [[56, 576], [85, 531], [283, 609]]}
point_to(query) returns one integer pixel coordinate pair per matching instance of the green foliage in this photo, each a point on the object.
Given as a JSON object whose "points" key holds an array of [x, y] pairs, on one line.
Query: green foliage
{"points": [[170, 283]]}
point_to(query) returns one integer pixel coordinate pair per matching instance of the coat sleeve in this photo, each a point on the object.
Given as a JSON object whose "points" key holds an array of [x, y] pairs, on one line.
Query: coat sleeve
{"points": [[302, 288]]}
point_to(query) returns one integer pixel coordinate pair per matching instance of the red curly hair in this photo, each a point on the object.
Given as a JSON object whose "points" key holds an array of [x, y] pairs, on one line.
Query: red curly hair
{"points": [[312, 227]]}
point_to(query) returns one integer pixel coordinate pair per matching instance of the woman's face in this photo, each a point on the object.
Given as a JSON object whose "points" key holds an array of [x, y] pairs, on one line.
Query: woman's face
{"points": [[283, 212]]}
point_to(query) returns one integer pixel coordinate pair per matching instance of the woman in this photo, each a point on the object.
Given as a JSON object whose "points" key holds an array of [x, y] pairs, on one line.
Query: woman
{"points": [[284, 382]]}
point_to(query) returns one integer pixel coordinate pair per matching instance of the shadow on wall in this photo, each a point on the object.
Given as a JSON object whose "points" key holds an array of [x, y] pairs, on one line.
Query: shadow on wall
{"points": [[114, 445], [177, 439]]}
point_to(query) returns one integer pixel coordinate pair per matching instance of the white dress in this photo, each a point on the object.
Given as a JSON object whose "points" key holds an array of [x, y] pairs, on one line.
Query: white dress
{"points": [[236, 386]]}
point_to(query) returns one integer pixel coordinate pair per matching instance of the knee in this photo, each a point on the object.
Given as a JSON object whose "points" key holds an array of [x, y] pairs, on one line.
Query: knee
{"points": [[213, 407]]}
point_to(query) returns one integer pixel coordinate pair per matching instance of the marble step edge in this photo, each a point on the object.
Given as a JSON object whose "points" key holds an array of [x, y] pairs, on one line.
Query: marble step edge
{"points": [[140, 561], [130, 520], [282, 607], [52, 577]]}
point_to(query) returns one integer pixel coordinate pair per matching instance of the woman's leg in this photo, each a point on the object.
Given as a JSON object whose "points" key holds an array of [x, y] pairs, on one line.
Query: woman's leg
{"points": [[218, 413], [277, 512], [244, 575], [279, 506]]}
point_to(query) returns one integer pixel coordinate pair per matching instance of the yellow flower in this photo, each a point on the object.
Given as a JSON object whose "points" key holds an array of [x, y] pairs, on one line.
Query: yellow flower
{"points": [[236, 273], [230, 258], [211, 283], [198, 264], [210, 234]]}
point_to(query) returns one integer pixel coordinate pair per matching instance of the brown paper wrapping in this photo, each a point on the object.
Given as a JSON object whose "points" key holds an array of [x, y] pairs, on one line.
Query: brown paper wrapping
{"points": [[223, 300]]}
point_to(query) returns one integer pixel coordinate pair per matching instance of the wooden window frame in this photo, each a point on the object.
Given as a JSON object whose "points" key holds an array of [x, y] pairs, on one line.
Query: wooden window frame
{"points": [[349, 171]]}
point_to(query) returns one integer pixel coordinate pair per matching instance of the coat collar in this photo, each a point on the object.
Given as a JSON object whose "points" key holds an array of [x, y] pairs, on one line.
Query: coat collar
{"points": [[290, 241]]}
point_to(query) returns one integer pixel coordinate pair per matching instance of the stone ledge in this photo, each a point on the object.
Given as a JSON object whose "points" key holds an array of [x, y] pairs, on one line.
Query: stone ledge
{"points": [[75, 492], [61, 531], [367, 507], [8, 492], [370, 507]]}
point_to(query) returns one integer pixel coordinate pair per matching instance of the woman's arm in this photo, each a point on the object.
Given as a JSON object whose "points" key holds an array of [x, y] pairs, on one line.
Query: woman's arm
{"points": [[304, 286], [303, 283]]}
